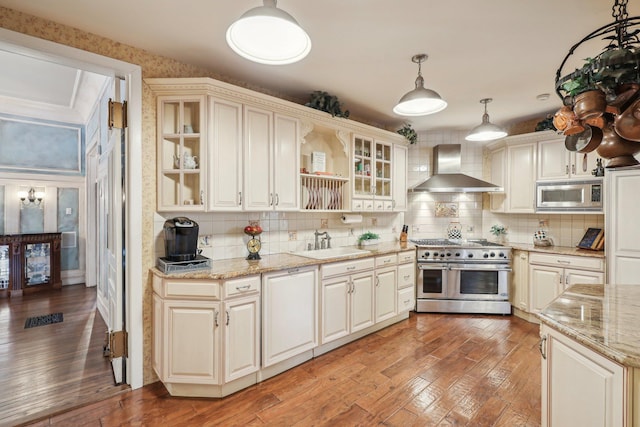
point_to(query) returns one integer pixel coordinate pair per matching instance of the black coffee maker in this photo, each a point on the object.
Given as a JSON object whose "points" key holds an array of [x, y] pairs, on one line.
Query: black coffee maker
{"points": [[180, 239]]}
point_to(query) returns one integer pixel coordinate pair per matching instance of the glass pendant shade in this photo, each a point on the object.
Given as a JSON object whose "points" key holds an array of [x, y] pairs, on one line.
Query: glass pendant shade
{"points": [[420, 101], [486, 131], [268, 35]]}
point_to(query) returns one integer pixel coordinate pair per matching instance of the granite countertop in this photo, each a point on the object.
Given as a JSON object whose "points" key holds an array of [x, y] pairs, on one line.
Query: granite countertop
{"points": [[560, 250], [238, 267], [604, 318]]}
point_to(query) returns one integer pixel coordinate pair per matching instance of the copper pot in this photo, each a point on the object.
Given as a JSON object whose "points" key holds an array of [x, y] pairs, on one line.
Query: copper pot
{"points": [[627, 124], [618, 150], [589, 104], [585, 141]]}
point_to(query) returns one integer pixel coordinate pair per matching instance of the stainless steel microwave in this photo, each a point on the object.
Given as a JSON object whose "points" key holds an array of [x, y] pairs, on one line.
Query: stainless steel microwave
{"points": [[569, 196]]}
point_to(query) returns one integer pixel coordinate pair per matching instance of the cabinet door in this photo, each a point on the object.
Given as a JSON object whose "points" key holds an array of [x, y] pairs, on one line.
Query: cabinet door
{"points": [[579, 386], [382, 169], [335, 308], [192, 352], [289, 314], [386, 293], [363, 150], [553, 160], [498, 177], [406, 276], [224, 155], [362, 301], [400, 156], [573, 277], [545, 284], [258, 181], [158, 336], [286, 163], [582, 164], [520, 280], [181, 153], [406, 299], [521, 166], [242, 337]]}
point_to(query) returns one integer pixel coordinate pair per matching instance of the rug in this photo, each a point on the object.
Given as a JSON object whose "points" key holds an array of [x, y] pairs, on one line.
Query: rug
{"points": [[47, 319]]}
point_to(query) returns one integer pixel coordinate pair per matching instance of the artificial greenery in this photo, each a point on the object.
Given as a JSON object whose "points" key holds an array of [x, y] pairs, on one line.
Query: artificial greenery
{"points": [[322, 101], [368, 236], [408, 132], [498, 230]]}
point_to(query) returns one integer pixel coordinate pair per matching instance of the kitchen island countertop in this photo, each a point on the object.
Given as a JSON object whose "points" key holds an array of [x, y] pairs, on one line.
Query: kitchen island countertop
{"points": [[238, 267], [604, 318]]}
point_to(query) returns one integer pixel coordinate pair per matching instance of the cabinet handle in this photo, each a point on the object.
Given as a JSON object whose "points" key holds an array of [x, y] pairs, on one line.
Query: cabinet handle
{"points": [[277, 199], [573, 169], [240, 198], [542, 345], [406, 302], [566, 169], [386, 261], [294, 270], [566, 279], [353, 287], [227, 323], [202, 197], [353, 267], [243, 288], [560, 261], [215, 322], [406, 276], [377, 280], [271, 197]]}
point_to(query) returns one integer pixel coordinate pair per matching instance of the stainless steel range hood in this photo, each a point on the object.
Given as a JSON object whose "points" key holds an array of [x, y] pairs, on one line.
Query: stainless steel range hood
{"points": [[446, 176]]}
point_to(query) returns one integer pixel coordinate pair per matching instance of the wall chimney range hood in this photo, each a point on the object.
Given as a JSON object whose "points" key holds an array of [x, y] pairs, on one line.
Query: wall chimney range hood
{"points": [[447, 178]]}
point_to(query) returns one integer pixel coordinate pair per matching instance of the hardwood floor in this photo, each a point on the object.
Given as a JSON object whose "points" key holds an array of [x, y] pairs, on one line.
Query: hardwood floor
{"points": [[46, 369], [430, 370]]}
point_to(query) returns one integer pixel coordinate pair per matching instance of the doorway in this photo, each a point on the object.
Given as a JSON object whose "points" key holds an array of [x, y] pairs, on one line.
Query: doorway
{"points": [[132, 218]]}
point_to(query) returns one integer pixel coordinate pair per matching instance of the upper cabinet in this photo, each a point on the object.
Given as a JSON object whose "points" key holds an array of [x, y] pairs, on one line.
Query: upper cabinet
{"points": [[225, 148], [181, 151], [555, 162]]}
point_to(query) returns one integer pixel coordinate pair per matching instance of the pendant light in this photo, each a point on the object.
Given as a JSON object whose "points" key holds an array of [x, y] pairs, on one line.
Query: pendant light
{"points": [[420, 101], [486, 131], [268, 35]]}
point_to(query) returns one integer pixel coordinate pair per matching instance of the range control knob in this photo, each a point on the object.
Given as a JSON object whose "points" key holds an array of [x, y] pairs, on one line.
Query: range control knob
{"points": [[448, 253], [470, 255], [442, 255], [485, 256], [435, 254], [457, 253], [492, 254], [426, 255], [501, 255]]}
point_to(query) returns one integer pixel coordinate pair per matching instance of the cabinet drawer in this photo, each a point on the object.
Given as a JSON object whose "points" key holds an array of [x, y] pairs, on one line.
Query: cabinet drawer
{"points": [[386, 260], [408, 256], [406, 300], [242, 286], [406, 276], [587, 263], [190, 288], [347, 267]]}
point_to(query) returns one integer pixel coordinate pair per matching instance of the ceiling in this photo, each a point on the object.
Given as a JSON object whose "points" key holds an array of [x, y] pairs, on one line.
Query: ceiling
{"points": [[504, 49]]}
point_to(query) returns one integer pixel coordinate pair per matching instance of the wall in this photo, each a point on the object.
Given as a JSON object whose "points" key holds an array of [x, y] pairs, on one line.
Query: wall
{"points": [[421, 216]]}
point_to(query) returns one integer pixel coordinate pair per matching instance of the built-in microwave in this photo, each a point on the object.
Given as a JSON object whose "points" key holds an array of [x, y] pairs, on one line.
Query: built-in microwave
{"points": [[569, 196]]}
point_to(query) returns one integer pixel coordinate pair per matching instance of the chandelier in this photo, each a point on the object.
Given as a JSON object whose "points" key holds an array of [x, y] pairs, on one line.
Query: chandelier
{"points": [[602, 97]]}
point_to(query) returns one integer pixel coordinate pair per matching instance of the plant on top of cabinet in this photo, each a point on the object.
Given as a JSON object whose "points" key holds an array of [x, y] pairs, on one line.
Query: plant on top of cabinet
{"points": [[408, 132], [322, 101]]}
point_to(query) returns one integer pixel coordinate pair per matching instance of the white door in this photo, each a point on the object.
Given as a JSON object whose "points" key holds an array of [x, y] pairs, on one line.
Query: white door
{"points": [[111, 211]]}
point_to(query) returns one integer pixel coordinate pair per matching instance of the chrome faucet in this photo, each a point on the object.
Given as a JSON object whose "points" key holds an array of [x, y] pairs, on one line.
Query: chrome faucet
{"points": [[325, 240]]}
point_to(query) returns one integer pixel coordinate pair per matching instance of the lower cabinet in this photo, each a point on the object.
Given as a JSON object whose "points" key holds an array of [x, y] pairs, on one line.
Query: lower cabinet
{"points": [[206, 333], [579, 386], [406, 281], [289, 314], [386, 293], [550, 274]]}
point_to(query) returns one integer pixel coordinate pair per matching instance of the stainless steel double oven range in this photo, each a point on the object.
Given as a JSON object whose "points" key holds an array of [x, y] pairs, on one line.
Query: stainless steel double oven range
{"points": [[462, 276]]}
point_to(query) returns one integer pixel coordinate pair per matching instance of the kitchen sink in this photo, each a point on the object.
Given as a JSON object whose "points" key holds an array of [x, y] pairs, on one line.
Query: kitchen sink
{"points": [[331, 253]]}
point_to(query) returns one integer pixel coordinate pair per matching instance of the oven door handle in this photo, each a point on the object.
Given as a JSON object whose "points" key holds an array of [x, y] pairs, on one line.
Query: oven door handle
{"points": [[482, 268], [433, 266]]}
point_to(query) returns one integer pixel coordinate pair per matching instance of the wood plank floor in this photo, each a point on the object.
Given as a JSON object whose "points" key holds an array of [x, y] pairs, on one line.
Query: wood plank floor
{"points": [[47, 369], [430, 370]]}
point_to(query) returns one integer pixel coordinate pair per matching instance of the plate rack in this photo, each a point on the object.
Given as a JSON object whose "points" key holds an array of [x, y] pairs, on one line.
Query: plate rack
{"points": [[322, 193]]}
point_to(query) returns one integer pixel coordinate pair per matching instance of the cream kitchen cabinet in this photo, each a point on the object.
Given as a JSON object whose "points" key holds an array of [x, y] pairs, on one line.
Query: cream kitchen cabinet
{"points": [[399, 190], [386, 290], [550, 274], [289, 314], [271, 161], [224, 155], [406, 281], [206, 334], [519, 291], [181, 152], [372, 175], [555, 162], [579, 386], [348, 298], [513, 165]]}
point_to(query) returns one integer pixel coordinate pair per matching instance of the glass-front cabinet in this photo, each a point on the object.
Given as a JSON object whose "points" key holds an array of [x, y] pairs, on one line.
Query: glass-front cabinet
{"points": [[37, 263], [372, 175], [181, 136]]}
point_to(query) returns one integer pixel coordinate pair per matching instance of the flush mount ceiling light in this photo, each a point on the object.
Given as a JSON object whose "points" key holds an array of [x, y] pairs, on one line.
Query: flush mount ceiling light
{"points": [[420, 101], [268, 35], [486, 131]]}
